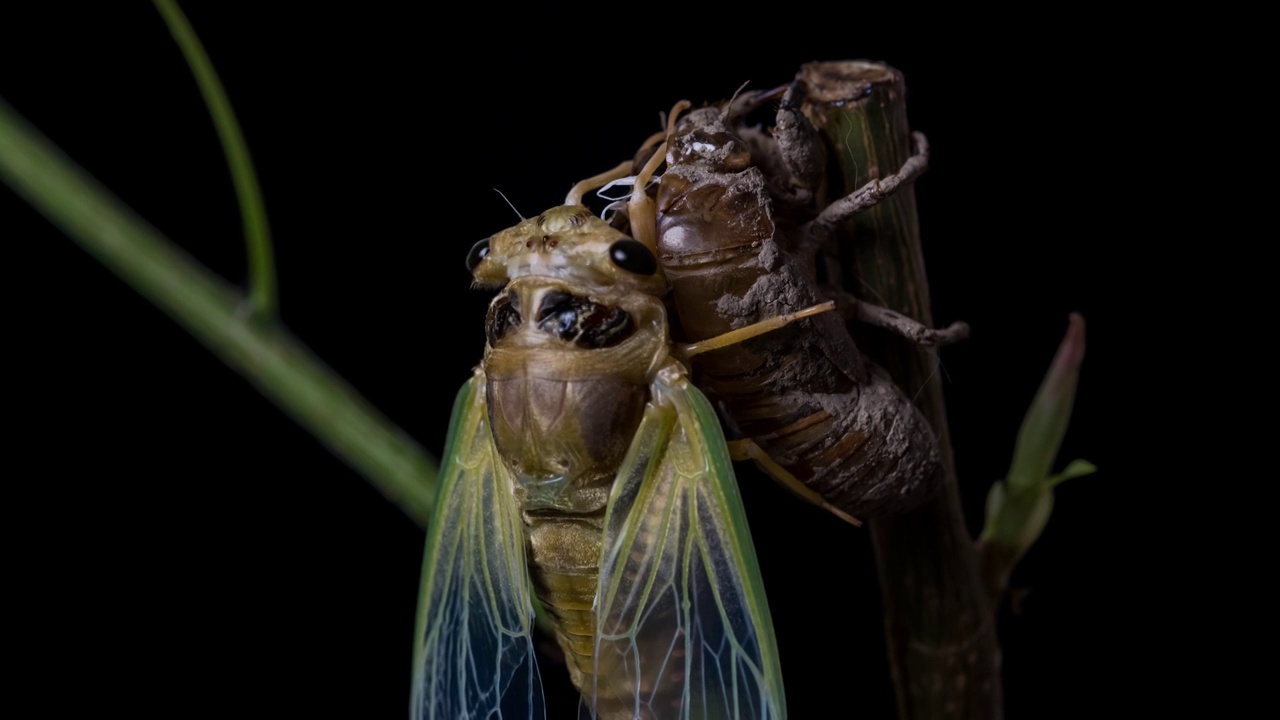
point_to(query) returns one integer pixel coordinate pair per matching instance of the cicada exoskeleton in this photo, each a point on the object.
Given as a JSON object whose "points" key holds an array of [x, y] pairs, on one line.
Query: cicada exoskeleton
{"points": [[738, 217], [583, 463]]}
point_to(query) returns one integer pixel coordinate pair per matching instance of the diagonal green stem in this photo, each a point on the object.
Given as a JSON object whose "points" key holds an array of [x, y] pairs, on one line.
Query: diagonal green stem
{"points": [[257, 233], [280, 366]]}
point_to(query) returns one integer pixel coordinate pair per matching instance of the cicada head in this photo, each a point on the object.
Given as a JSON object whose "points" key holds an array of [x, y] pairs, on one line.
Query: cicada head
{"points": [[702, 139], [569, 244]]}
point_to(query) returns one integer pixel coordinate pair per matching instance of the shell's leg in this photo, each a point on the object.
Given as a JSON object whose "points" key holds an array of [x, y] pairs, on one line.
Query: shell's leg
{"points": [[684, 352], [851, 309], [873, 192], [747, 449], [906, 327], [799, 144]]}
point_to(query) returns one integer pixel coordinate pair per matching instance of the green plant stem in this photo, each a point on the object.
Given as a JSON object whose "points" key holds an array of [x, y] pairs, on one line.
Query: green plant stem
{"points": [[262, 350], [1018, 507], [257, 232]]}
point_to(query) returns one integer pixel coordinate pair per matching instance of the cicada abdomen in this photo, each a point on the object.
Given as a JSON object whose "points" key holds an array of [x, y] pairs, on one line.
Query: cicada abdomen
{"points": [[735, 225]]}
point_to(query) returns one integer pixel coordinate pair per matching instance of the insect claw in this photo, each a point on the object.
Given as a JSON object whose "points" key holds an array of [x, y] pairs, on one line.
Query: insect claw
{"points": [[841, 514]]}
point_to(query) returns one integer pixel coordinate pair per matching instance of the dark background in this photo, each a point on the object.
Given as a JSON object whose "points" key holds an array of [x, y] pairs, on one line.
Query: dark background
{"points": [[180, 546]]}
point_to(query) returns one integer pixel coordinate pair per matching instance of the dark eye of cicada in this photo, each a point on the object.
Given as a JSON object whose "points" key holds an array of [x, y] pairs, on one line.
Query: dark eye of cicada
{"points": [[478, 251], [633, 257], [504, 316], [583, 322]]}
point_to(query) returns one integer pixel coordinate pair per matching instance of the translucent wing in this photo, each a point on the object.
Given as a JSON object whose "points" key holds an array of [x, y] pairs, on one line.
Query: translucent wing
{"points": [[474, 657], [683, 629]]}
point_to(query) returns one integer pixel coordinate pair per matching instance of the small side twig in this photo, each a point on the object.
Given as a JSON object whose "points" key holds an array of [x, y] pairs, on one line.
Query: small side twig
{"points": [[257, 232]]}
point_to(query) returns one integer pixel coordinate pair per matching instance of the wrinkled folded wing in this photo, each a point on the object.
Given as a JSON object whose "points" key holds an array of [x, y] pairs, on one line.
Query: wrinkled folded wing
{"points": [[683, 626], [474, 655]]}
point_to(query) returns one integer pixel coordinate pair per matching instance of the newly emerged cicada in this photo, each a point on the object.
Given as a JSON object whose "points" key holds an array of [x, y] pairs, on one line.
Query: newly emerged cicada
{"points": [[582, 463]]}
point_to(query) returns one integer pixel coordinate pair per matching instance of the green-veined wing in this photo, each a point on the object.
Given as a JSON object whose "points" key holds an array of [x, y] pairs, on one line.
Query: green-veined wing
{"points": [[474, 656], [683, 629]]}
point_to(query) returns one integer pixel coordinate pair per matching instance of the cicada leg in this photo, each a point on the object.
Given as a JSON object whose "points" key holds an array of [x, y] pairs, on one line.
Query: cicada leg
{"points": [[641, 209], [747, 449], [595, 182], [621, 170], [852, 309], [800, 145], [734, 337], [912, 330], [873, 192]]}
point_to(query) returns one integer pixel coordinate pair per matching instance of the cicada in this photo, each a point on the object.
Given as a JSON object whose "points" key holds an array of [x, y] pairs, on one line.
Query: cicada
{"points": [[582, 465], [738, 221]]}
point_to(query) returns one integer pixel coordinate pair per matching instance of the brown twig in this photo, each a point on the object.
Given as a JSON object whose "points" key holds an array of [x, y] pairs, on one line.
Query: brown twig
{"points": [[939, 622]]}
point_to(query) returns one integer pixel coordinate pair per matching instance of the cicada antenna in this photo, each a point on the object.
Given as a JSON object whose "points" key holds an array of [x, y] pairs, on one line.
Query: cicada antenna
{"points": [[738, 106], [724, 114], [511, 205]]}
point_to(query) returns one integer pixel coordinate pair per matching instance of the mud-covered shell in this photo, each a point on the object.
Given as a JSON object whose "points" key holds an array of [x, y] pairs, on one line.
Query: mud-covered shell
{"points": [[732, 241]]}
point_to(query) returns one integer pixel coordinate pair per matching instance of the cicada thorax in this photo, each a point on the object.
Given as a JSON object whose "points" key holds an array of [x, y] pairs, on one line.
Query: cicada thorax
{"points": [[566, 389], [731, 240], [568, 366]]}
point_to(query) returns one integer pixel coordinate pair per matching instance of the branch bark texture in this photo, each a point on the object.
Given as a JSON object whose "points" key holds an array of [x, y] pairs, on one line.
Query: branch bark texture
{"points": [[939, 620]]}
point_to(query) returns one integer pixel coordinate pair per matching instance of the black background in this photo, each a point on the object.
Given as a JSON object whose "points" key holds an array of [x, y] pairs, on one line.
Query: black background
{"points": [[181, 547]]}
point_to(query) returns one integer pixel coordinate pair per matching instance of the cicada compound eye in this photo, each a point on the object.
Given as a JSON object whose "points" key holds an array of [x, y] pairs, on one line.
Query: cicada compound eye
{"points": [[477, 253], [633, 257]]}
